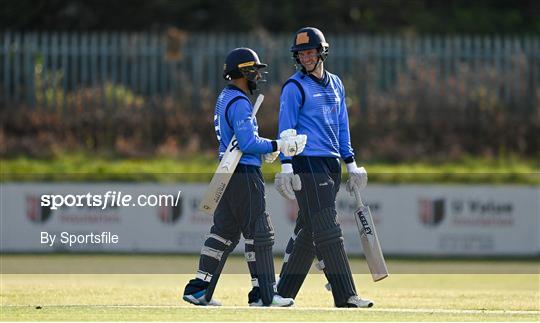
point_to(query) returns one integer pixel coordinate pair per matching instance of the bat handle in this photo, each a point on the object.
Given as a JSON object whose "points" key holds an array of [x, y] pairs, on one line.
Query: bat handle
{"points": [[358, 198]]}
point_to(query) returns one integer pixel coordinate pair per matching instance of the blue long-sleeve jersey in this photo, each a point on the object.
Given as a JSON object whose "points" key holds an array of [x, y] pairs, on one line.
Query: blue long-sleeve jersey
{"points": [[233, 117], [317, 109]]}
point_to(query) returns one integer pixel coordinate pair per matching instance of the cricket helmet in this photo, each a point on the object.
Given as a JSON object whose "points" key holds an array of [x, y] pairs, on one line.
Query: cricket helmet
{"points": [[309, 38], [239, 61]]}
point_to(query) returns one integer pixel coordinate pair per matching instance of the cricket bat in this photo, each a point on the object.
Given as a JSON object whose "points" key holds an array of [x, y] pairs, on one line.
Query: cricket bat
{"points": [[224, 171], [370, 240]]}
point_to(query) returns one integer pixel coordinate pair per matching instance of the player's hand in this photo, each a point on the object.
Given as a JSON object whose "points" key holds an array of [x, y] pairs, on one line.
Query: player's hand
{"points": [[357, 178], [270, 157], [287, 182], [290, 143]]}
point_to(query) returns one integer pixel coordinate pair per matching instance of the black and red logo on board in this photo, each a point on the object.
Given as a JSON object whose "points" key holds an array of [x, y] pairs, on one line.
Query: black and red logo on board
{"points": [[35, 212], [431, 212]]}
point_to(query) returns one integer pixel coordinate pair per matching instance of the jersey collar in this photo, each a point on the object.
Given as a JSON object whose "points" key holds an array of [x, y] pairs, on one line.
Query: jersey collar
{"points": [[324, 81], [234, 87]]}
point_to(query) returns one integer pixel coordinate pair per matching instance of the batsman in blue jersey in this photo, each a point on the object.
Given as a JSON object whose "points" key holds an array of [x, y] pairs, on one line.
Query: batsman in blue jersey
{"points": [[313, 103], [242, 209]]}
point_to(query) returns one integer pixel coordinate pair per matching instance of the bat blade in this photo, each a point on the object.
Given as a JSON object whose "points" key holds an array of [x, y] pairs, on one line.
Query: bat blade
{"points": [[224, 171], [221, 178], [370, 243]]}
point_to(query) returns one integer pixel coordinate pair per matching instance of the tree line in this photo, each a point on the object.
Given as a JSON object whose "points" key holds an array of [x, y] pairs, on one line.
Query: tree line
{"points": [[347, 16]]}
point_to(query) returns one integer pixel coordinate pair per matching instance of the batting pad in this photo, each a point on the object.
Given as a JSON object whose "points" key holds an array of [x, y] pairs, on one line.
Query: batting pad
{"points": [[295, 270], [263, 240], [329, 242]]}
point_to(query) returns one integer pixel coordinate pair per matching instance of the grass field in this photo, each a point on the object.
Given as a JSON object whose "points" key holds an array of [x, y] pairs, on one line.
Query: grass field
{"points": [[84, 167], [157, 297]]}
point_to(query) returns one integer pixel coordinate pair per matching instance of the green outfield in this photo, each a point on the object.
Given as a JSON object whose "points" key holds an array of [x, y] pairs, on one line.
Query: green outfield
{"points": [[85, 167], [461, 290]]}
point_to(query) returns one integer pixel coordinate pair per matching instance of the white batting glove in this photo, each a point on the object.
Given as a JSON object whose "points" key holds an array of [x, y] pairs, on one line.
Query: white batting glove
{"points": [[287, 133], [357, 178], [270, 157], [287, 182], [290, 143]]}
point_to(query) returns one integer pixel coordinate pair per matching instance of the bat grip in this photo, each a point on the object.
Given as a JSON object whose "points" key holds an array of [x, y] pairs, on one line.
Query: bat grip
{"points": [[358, 198]]}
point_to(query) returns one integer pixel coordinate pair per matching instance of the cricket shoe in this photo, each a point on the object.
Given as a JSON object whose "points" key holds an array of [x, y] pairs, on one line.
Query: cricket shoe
{"points": [[199, 299], [355, 301], [277, 301]]}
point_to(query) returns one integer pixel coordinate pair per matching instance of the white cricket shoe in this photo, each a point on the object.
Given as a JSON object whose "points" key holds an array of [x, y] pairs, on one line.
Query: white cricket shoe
{"points": [[200, 300], [356, 301], [277, 301]]}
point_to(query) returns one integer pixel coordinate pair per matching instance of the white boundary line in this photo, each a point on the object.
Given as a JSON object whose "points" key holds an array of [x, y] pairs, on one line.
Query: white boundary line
{"points": [[390, 310]]}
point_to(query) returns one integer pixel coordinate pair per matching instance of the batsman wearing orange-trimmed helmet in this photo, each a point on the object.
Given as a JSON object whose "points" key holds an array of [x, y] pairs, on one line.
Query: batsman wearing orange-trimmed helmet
{"points": [[310, 38]]}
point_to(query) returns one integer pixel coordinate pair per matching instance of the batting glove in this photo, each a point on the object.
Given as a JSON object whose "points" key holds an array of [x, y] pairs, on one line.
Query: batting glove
{"points": [[290, 143], [287, 182], [270, 157], [357, 178]]}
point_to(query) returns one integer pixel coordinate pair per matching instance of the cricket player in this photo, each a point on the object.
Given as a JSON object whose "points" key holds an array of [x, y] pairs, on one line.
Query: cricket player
{"points": [[313, 103], [242, 207]]}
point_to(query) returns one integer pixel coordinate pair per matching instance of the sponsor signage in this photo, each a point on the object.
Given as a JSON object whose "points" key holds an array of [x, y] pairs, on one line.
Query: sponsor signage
{"points": [[435, 220]]}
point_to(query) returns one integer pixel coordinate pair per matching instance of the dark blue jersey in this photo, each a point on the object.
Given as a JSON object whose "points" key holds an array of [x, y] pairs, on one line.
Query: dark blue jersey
{"points": [[317, 109], [233, 117]]}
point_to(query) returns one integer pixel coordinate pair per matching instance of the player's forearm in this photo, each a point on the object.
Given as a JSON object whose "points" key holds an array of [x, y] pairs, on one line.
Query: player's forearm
{"points": [[251, 144], [285, 124], [345, 148], [288, 117]]}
